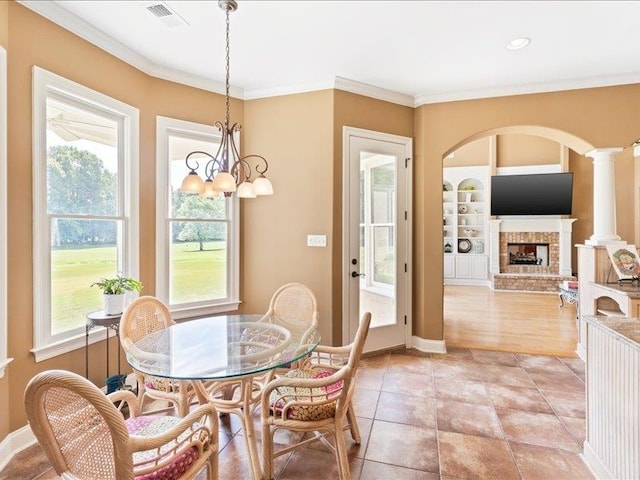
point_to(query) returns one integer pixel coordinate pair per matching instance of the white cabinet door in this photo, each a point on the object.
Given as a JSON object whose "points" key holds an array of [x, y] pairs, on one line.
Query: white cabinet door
{"points": [[449, 266], [479, 267], [471, 266], [463, 266]]}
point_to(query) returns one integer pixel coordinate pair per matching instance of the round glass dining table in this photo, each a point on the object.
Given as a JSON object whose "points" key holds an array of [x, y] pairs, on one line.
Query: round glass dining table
{"points": [[227, 359], [220, 347]]}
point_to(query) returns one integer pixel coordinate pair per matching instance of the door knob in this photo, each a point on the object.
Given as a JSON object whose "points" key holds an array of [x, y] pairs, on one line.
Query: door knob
{"points": [[356, 274]]}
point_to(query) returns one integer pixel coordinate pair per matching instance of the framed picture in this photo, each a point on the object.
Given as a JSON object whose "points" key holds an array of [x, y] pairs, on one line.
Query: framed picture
{"points": [[624, 259]]}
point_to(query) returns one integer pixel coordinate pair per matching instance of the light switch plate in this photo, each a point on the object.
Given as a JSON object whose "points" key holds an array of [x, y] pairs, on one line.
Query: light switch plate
{"points": [[316, 240]]}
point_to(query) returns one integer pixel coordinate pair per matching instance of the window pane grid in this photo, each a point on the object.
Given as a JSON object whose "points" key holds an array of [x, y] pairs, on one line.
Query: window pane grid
{"points": [[199, 270], [85, 207], [85, 198]]}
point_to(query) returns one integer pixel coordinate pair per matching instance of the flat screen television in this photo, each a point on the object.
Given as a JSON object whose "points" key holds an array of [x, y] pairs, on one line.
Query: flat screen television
{"points": [[532, 194]]}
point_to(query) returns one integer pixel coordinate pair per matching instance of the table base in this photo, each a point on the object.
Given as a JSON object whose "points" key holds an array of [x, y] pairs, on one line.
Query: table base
{"points": [[222, 395]]}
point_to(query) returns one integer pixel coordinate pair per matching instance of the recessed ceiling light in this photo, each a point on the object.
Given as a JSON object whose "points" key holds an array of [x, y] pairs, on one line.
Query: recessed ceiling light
{"points": [[518, 43]]}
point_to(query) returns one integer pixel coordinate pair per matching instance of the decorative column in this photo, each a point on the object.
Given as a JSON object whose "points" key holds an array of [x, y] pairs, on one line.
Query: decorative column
{"points": [[565, 228], [604, 197], [494, 246]]}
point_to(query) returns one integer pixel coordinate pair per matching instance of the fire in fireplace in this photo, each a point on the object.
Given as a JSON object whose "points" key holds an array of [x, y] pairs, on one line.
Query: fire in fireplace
{"points": [[528, 254]]}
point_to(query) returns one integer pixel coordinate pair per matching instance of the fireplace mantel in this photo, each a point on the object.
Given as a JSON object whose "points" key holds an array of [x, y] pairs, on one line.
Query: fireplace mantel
{"points": [[561, 225]]}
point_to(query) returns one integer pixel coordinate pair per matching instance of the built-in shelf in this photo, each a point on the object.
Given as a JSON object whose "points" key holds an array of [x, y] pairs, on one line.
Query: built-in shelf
{"points": [[465, 207]]}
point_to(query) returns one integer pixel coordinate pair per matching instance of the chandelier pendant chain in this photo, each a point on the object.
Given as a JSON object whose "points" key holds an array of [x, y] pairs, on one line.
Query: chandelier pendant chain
{"points": [[227, 171], [228, 81]]}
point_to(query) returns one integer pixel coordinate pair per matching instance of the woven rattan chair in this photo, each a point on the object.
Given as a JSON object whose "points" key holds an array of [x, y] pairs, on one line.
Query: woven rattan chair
{"points": [[295, 301], [315, 398], [85, 436], [145, 315]]}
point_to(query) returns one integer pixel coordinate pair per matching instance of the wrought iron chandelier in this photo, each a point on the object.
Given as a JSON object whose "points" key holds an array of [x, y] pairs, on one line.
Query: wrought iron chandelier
{"points": [[227, 171]]}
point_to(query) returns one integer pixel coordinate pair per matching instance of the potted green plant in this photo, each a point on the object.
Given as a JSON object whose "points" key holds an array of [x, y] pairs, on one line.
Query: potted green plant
{"points": [[114, 290]]}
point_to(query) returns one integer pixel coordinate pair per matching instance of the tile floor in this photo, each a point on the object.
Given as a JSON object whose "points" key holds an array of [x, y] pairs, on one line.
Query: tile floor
{"points": [[469, 414]]}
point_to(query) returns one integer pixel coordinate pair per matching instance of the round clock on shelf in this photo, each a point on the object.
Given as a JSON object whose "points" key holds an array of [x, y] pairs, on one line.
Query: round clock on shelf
{"points": [[463, 209], [464, 245]]}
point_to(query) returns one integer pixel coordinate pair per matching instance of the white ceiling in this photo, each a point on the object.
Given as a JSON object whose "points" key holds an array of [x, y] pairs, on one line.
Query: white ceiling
{"points": [[410, 52]]}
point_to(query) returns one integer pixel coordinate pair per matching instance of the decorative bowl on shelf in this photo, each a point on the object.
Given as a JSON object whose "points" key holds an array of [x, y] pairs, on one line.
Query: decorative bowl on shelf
{"points": [[470, 232], [464, 245]]}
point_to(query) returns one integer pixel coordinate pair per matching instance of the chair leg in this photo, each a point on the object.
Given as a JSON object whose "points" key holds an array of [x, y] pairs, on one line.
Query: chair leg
{"points": [[353, 424], [213, 465], [341, 451], [267, 451]]}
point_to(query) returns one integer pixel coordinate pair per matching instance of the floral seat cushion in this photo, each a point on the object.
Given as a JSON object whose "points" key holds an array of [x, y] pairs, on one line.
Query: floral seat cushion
{"points": [[157, 383], [150, 425], [318, 401]]}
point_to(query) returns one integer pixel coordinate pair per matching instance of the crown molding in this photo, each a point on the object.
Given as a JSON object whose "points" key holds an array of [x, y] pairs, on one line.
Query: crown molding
{"points": [[76, 25], [256, 93], [372, 91], [338, 83], [195, 81], [544, 87]]}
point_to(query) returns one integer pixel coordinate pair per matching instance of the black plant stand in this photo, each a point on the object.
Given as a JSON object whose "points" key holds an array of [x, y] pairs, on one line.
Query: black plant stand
{"points": [[110, 322]]}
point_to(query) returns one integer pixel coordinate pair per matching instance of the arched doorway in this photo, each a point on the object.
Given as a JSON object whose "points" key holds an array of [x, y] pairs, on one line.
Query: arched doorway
{"points": [[544, 148]]}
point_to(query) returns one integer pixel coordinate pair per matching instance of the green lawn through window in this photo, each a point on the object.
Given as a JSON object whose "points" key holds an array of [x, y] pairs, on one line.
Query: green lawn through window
{"points": [[197, 275]]}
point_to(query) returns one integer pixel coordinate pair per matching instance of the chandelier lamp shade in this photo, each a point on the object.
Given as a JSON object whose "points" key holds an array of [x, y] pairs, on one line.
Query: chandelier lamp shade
{"points": [[226, 171]]}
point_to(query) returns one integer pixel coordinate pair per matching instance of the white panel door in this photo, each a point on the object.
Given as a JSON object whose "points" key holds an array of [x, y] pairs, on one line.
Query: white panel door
{"points": [[377, 236]]}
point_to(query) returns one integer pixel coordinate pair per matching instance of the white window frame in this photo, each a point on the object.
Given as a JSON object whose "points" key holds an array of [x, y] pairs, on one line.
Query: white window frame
{"points": [[166, 126], [368, 282], [4, 337], [45, 83]]}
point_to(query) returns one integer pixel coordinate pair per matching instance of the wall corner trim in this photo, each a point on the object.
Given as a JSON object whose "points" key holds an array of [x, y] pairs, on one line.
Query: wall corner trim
{"points": [[427, 345], [15, 442]]}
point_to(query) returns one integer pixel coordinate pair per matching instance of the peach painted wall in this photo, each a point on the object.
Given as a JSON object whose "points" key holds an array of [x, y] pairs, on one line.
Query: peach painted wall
{"points": [[294, 134], [473, 153], [605, 117], [520, 150], [4, 23], [4, 382]]}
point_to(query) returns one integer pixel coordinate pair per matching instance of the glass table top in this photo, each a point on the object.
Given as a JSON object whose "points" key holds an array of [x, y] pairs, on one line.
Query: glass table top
{"points": [[222, 347]]}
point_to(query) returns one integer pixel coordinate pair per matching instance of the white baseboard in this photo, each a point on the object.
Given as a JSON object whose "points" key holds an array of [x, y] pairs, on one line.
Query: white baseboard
{"points": [[15, 442], [426, 345], [581, 352], [591, 459]]}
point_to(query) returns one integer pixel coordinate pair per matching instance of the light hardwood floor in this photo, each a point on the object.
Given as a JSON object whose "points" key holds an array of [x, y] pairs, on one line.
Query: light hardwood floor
{"points": [[478, 317]]}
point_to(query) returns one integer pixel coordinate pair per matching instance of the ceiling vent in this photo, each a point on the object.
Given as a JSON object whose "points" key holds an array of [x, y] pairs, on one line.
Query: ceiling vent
{"points": [[165, 14]]}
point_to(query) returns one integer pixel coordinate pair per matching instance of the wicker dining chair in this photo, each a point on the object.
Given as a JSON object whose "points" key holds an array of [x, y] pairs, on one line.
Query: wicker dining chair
{"points": [[86, 437], [295, 301], [143, 316], [315, 398]]}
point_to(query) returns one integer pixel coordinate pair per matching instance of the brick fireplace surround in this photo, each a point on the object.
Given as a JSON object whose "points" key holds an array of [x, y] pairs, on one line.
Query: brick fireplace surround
{"points": [[550, 238], [535, 278]]}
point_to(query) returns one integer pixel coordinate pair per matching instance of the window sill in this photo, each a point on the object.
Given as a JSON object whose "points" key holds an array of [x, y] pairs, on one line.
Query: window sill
{"points": [[97, 334], [45, 352], [3, 365], [193, 312]]}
